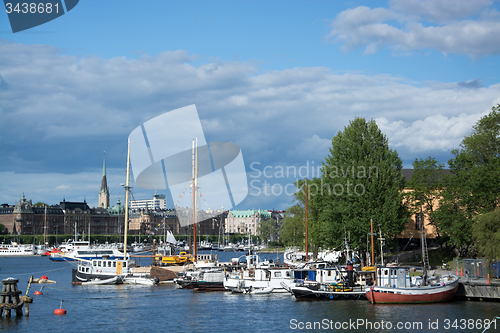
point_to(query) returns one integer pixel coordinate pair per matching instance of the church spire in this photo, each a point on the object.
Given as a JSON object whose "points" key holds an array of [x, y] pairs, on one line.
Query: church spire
{"points": [[104, 192]]}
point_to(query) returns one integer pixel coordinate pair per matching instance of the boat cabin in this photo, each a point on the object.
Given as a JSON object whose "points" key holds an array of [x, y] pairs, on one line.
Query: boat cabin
{"points": [[396, 277], [106, 266]]}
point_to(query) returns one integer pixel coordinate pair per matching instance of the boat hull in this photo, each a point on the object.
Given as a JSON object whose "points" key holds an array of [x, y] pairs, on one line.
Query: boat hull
{"points": [[208, 286], [79, 277], [444, 293], [302, 293]]}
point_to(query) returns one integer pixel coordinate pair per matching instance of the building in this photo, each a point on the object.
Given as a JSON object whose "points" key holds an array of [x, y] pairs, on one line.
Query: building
{"points": [[245, 221], [157, 203]]}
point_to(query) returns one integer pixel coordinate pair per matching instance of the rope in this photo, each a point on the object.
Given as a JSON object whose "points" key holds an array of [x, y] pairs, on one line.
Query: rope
{"points": [[41, 272]]}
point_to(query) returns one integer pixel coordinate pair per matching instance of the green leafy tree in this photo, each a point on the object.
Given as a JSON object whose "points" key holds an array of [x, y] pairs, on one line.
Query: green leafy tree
{"points": [[2, 229], [267, 228], [40, 204], [427, 183], [361, 180], [473, 186], [486, 233], [292, 227]]}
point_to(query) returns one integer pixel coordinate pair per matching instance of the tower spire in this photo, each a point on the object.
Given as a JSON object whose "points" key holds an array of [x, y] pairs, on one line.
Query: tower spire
{"points": [[104, 192]]}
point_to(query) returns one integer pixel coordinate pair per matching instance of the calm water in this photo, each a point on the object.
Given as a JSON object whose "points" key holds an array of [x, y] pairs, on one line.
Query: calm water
{"points": [[166, 308]]}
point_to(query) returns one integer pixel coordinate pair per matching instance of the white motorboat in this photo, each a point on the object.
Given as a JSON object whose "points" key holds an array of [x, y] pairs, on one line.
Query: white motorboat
{"points": [[140, 280], [98, 281]]}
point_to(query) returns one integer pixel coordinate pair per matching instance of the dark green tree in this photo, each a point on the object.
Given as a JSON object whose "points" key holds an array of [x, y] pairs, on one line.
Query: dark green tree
{"points": [[266, 228], [292, 227], [473, 186], [486, 234], [361, 180]]}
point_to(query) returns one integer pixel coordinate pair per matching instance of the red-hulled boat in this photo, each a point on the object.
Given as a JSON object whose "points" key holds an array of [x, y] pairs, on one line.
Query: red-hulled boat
{"points": [[394, 285]]}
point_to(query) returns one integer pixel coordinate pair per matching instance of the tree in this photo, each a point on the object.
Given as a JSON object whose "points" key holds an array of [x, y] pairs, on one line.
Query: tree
{"points": [[473, 186], [361, 180], [40, 204], [267, 228], [486, 233], [427, 184], [292, 226]]}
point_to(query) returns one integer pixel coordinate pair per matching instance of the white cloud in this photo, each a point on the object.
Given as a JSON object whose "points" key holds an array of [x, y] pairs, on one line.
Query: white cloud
{"points": [[434, 133], [448, 26]]}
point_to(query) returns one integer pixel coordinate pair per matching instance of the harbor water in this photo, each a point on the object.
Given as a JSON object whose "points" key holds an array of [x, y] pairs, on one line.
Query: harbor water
{"points": [[132, 308]]}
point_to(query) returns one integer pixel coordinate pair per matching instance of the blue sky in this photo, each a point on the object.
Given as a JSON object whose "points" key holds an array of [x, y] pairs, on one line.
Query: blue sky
{"points": [[279, 78]]}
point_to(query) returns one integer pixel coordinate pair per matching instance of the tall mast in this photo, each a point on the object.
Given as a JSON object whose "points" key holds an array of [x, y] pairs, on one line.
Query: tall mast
{"points": [[373, 258], [307, 247], [195, 183], [423, 245], [45, 227], [127, 187]]}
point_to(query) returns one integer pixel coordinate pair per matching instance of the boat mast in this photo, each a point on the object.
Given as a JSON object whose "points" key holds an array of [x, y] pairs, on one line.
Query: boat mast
{"points": [[127, 188], [307, 247], [195, 183], [45, 227], [373, 258], [423, 245]]}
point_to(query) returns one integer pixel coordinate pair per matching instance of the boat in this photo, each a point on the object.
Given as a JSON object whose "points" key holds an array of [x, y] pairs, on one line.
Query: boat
{"points": [[212, 280], [259, 291], [15, 249], [395, 285], [141, 280], [334, 283], [102, 269], [98, 281], [260, 275]]}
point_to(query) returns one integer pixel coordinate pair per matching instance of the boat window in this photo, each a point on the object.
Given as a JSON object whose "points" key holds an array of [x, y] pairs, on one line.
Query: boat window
{"points": [[287, 273], [277, 274], [109, 263], [114, 264], [99, 263], [329, 273], [87, 270], [95, 263], [124, 264], [386, 272]]}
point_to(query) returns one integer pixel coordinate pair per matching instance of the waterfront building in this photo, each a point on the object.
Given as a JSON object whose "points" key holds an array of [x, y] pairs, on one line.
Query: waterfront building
{"points": [[157, 203], [245, 221]]}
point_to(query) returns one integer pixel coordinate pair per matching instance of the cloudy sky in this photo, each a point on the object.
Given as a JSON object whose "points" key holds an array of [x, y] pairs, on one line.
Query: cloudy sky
{"points": [[278, 78]]}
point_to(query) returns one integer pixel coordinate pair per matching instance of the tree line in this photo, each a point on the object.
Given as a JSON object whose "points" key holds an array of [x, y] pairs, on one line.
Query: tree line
{"points": [[362, 181]]}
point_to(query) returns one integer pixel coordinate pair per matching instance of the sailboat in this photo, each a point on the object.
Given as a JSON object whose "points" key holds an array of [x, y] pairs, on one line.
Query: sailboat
{"points": [[395, 285]]}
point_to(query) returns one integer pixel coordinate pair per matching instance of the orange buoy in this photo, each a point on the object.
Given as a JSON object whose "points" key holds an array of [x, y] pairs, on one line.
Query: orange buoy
{"points": [[59, 312], [38, 293], [488, 281], [44, 277], [461, 272]]}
